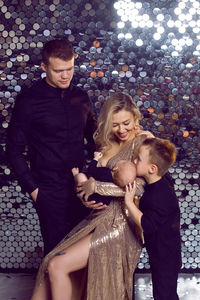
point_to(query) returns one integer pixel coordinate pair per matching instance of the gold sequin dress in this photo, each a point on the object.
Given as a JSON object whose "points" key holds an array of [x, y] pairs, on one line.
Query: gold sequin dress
{"points": [[114, 249]]}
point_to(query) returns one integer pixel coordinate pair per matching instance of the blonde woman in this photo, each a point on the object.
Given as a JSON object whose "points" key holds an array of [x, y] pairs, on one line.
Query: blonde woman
{"points": [[97, 260]]}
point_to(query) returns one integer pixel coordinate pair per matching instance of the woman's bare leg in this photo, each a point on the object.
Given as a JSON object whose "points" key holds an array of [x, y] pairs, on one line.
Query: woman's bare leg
{"points": [[43, 291], [72, 259]]}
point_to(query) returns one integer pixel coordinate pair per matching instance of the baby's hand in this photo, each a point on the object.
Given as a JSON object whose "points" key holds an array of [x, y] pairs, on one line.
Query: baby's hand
{"points": [[130, 193], [97, 155]]}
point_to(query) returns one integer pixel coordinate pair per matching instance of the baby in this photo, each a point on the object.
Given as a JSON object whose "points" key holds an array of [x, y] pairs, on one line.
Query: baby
{"points": [[122, 174]]}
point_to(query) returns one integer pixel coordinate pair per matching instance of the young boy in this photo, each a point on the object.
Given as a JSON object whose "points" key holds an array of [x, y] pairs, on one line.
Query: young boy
{"points": [[158, 216]]}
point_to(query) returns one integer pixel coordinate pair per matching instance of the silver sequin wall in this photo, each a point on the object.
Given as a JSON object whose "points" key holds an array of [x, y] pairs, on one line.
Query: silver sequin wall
{"points": [[149, 49]]}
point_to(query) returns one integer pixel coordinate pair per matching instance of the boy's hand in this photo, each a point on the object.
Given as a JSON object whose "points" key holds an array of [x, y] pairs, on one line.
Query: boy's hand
{"points": [[134, 212], [130, 193]]}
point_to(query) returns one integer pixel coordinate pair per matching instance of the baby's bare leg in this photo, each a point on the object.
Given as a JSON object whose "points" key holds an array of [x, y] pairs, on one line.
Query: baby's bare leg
{"points": [[75, 171], [78, 177]]}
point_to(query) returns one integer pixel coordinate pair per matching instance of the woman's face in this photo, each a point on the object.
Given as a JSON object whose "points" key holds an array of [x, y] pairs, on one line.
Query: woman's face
{"points": [[123, 125]]}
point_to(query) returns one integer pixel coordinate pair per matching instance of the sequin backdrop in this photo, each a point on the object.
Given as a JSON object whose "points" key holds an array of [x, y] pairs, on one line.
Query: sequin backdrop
{"points": [[149, 49]]}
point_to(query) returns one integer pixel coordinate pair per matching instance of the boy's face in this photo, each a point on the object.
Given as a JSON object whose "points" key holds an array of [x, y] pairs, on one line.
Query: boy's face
{"points": [[142, 162]]}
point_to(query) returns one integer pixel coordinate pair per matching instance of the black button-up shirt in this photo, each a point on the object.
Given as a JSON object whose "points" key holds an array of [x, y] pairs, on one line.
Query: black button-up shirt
{"points": [[53, 123]]}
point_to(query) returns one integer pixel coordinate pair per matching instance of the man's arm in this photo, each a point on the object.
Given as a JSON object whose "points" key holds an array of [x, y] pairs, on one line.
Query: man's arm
{"points": [[16, 143], [90, 127]]}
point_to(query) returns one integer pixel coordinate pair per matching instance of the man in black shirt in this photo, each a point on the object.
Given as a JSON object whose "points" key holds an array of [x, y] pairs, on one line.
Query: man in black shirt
{"points": [[52, 118]]}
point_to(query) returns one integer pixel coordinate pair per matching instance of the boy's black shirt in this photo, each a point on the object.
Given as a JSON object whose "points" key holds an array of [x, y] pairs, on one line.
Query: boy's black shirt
{"points": [[161, 225]]}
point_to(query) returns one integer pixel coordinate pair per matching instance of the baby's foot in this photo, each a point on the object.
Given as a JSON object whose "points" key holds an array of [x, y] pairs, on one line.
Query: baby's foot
{"points": [[75, 171]]}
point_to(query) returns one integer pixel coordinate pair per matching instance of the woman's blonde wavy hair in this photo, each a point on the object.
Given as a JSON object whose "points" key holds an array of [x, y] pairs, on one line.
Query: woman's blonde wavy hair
{"points": [[103, 136]]}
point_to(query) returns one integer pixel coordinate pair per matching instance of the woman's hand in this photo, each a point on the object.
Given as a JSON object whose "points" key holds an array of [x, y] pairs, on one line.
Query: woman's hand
{"points": [[94, 205], [86, 189], [148, 134]]}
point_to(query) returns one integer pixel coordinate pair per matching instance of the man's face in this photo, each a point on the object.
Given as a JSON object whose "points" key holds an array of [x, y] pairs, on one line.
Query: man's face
{"points": [[59, 72], [142, 162]]}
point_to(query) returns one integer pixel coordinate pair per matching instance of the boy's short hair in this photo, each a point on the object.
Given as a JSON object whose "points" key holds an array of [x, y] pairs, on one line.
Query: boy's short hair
{"points": [[59, 48], [162, 153]]}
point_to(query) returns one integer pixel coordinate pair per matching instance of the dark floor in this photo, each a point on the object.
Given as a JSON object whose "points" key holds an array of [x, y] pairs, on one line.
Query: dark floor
{"points": [[19, 286]]}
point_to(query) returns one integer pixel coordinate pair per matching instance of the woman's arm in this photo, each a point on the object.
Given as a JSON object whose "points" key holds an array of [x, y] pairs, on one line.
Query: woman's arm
{"points": [[111, 189], [100, 189], [108, 189], [91, 186]]}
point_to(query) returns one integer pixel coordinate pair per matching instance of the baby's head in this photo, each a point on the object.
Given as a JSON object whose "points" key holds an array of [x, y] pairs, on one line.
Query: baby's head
{"points": [[124, 173]]}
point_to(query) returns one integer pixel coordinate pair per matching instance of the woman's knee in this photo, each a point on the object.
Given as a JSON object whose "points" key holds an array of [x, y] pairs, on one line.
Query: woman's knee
{"points": [[56, 266]]}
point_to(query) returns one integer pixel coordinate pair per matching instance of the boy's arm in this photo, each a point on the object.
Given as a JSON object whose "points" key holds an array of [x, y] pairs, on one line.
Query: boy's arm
{"points": [[135, 213]]}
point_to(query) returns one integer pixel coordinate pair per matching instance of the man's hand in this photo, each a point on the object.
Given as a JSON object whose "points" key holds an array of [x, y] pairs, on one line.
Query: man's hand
{"points": [[34, 194]]}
